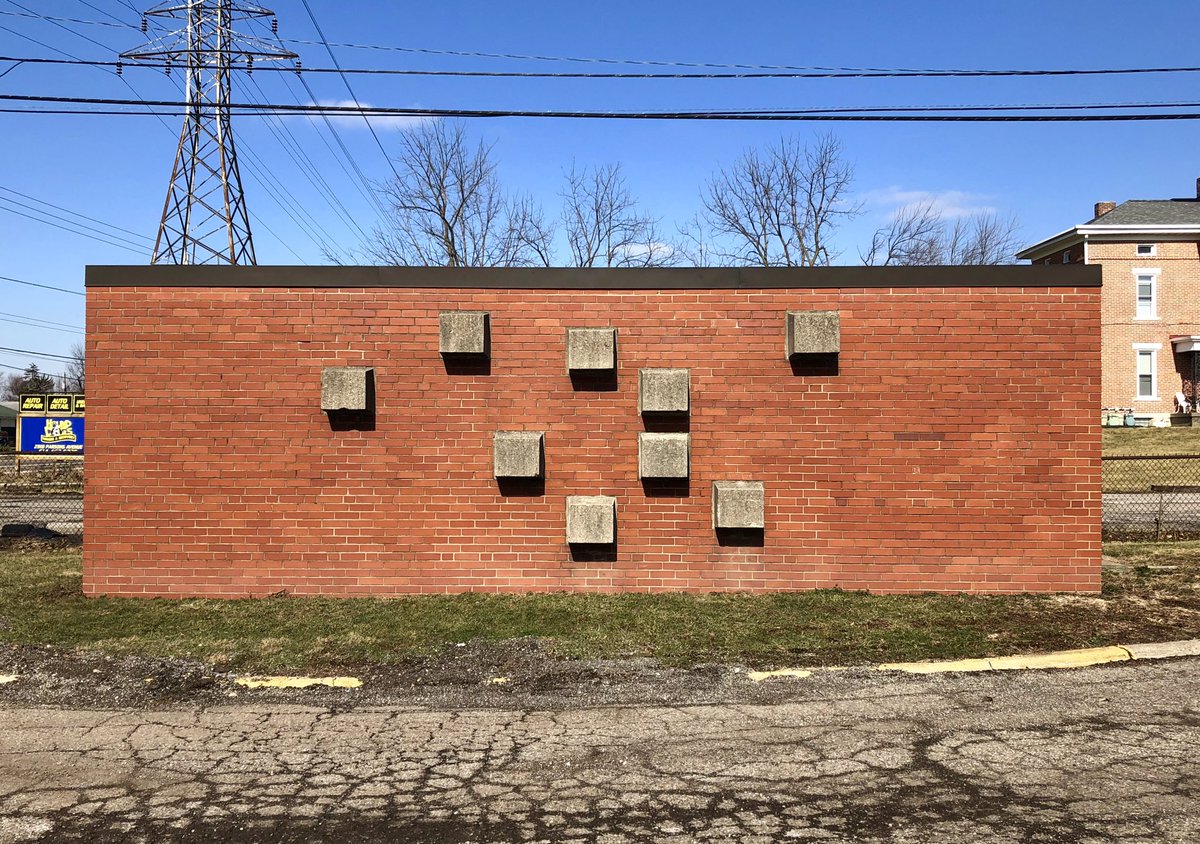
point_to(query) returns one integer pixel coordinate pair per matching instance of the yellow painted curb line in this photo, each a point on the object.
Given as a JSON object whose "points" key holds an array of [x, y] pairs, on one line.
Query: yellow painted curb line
{"points": [[1061, 659], [298, 682], [7, 678], [759, 676], [937, 667], [1080, 658]]}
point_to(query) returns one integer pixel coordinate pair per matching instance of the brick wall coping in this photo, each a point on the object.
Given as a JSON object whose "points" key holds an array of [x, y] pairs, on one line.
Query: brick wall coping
{"points": [[558, 278]]}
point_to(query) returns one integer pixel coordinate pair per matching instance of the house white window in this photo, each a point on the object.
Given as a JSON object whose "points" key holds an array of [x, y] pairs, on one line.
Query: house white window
{"points": [[1147, 250], [1066, 257], [1147, 370], [1145, 294]]}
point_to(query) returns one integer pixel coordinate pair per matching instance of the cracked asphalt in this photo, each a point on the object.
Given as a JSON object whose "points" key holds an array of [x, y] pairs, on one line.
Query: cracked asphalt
{"points": [[1093, 755]]}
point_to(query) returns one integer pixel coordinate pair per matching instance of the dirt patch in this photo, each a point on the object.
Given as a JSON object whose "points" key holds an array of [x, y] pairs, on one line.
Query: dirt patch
{"points": [[461, 676]]}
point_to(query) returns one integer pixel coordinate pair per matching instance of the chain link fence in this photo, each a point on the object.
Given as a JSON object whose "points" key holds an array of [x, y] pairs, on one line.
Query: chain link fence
{"points": [[1152, 498], [41, 493]]}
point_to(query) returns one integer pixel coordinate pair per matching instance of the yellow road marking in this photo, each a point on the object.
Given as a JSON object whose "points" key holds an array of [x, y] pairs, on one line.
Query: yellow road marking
{"points": [[759, 676], [298, 682]]}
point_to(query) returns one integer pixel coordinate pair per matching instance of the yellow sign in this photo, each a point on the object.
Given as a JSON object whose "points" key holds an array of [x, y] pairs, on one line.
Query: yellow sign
{"points": [[59, 404], [80, 402], [33, 404], [58, 431]]}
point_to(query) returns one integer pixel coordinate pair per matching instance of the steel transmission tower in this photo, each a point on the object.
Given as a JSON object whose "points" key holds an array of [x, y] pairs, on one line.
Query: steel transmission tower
{"points": [[204, 218]]}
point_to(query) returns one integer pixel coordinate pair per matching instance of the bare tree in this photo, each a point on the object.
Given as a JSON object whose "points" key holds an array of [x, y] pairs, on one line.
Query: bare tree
{"points": [[449, 208], [72, 378], [918, 235], [779, 207], [697, 245], [603, 225]]}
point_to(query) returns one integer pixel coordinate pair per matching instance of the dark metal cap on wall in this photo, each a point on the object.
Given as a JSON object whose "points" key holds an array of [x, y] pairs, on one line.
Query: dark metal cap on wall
{"points": [[562, 278]]}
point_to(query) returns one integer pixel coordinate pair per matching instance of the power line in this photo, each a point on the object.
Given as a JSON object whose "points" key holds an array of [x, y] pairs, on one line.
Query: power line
{"points": [[114, 237], [40, 327], [306, 166], [801, 115], [364, 184], [65, 226], [346, 82], [863, 73], [43, 286], [73, 213], [847, 71], [54, 18], [37, 354], [58, 375], [39, 319], [816, 70], [66, 28]]}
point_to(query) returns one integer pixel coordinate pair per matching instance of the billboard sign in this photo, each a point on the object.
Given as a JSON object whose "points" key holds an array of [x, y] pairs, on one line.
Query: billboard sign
{"points": [[51, 435]]}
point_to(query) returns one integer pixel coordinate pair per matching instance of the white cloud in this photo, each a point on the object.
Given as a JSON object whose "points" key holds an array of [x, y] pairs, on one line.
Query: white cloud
{"points": [[349, 120], [951, 204]]}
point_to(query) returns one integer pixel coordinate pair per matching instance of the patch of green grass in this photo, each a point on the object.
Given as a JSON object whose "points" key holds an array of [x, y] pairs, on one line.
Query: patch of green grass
{"points": [[1119, 442], [41, 603]]}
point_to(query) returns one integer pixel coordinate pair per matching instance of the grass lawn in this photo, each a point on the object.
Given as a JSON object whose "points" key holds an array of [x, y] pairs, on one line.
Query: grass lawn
{"points": [[1155, 594], [1119, 442]]}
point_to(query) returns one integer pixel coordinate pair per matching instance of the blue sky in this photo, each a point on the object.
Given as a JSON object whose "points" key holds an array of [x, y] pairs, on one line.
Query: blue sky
{"points": [[115, 168]]}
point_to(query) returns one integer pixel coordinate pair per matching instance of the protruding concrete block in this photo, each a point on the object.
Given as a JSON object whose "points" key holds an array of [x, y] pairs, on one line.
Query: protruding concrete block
{"points": [[663, 455], [518, 454], [814, 333], [346, 387], [738, 505], [591, 349], [664, 391], [465, 333], [591, 520]]}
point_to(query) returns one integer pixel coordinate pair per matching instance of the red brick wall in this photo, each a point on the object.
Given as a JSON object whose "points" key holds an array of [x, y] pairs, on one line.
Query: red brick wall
{"points": [[956, 449]]}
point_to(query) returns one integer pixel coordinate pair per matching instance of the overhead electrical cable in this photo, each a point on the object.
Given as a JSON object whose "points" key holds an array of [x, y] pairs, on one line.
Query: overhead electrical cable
{"points": [[42, 327], [65, 225], [36, 16], [365, 187], [309, 169], [37, 354], [780, 74], [43, 286], [346, 82], [74, 213], [801, 115], [39, 319]]}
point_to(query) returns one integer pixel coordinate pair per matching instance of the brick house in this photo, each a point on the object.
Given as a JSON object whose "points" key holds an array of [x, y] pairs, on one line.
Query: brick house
{"points": [[1149, 252]]}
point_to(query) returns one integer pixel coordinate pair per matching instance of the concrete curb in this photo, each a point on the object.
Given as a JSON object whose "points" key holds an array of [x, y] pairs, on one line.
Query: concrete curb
{"points": [[1078, 658]]}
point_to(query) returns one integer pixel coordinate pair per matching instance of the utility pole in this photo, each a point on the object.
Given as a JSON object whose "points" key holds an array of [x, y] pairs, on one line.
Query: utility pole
{"points": [[204, 218]]}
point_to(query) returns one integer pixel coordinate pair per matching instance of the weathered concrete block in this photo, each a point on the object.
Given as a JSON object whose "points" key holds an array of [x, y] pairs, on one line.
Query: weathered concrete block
{"points": [[663, 455], [738, 504], [591, 520], [814, 333], [518, 454], [346, 387], [664, 391], [465, 333], [592, 349]]}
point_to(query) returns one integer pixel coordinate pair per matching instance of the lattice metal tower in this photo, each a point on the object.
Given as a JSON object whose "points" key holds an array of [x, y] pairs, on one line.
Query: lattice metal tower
{"points": [[204, 218]]}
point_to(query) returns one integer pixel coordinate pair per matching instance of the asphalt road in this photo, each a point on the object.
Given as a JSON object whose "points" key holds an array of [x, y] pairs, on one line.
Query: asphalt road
{"points": [[1095, 755], [63, 513]]}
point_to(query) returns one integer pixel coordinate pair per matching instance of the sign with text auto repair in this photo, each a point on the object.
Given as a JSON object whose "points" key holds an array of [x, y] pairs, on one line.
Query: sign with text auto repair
{"points": [[51, 424]]}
